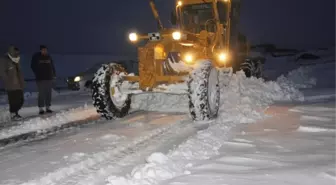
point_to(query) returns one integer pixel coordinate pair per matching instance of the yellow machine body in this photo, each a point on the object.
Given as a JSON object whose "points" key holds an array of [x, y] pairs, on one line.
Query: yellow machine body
{"points": [[204, 30]]}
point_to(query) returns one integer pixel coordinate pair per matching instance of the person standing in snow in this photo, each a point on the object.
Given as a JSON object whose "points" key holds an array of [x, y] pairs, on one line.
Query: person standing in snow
{"points": [[44, 70], [12, 78]]}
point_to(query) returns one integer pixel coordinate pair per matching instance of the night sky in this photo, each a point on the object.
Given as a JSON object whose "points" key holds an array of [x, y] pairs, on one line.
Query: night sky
{"points": [[101, 26]]}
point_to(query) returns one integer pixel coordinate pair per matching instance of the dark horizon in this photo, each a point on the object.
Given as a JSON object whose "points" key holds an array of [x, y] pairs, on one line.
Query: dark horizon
{"points": [[83, 26]]}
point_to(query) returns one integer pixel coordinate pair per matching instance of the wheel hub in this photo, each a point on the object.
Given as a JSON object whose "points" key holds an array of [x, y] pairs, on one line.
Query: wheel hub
{"points": [[117, 96], [213, 92]]}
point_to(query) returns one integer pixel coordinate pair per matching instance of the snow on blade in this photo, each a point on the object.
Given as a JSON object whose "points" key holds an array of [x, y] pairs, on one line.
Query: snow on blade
{"points": [[39, 124], [160, 102], [241, 101]]}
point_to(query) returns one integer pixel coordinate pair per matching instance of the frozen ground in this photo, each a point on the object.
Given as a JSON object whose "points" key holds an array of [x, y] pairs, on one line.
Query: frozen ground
{"points": [[274, 132], [293, 147]]}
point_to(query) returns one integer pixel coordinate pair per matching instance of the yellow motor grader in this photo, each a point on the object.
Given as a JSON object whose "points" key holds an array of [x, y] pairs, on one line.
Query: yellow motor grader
{"points": [[203, 40]]}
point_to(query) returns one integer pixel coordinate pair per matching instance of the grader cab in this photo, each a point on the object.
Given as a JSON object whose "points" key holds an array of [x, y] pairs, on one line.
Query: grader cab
{"points": [[204, 40]]}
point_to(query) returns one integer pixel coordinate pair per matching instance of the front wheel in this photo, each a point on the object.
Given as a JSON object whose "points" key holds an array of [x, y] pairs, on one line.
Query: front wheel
{"points": [[204, 92], [107, 96]]}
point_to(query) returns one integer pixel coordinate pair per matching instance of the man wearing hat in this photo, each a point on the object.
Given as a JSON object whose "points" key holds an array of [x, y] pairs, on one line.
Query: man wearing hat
{"points": [[12, 78], [44, 70]]}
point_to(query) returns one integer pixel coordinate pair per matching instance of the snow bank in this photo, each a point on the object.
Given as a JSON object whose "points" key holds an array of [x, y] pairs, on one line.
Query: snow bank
{"points": [[299, 78], [241, 101], [31, 95], [40, 124], [34, 95], [242, 98]]}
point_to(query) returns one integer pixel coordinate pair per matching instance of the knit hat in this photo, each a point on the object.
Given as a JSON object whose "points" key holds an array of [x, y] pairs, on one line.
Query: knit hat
{"points": [[13, 51]]}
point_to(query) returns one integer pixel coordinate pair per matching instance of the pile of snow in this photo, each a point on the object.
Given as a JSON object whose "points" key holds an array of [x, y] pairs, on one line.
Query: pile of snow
{"points": [[242, 101], [299, 78], [245, 97]]}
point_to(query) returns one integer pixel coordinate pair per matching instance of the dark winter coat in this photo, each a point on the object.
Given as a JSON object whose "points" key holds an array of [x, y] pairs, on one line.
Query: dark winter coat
{"points": [[11, 74], [43, 67]]}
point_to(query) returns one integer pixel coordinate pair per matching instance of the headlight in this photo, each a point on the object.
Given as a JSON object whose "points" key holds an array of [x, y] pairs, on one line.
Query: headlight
{"points": [[77, 79], [177, 35], [189, 58], [133, 37], [222, 57]]}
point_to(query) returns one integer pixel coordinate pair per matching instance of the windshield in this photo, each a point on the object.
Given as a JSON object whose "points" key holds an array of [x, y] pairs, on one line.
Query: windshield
{"points": [[198, 17]]}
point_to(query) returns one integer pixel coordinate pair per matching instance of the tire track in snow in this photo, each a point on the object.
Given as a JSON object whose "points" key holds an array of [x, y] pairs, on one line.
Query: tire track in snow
{"points": [[76, 172], [171, 139]]}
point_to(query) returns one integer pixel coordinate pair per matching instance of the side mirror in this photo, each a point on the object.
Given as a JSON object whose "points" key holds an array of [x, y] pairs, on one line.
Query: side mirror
{"points": [[173, 18]]}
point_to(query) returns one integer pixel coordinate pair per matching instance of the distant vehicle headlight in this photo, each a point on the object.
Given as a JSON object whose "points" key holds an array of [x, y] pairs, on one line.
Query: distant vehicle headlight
{"points": [[77, 79]]}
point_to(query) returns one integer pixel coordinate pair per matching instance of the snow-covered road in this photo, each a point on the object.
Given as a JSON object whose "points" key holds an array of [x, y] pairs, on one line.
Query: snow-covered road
{"points": [[94, 151], [295, 146]]}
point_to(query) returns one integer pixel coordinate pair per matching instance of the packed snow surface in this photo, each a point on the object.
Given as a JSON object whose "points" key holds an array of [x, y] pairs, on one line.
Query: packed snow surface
{"points": [[88, 155], [278, 150]]}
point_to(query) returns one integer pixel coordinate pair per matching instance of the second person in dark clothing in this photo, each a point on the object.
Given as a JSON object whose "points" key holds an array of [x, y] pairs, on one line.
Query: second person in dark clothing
{"points": [[44, 70]]}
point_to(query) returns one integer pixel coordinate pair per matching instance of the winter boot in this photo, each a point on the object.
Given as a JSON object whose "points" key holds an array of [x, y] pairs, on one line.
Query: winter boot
{"points": [[15, 117], [48, 110], [41, 112]]}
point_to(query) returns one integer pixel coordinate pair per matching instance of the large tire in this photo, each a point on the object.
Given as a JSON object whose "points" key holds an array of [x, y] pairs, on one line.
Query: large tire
{"points": [[252, 67], [102, 99], [204, 92]]}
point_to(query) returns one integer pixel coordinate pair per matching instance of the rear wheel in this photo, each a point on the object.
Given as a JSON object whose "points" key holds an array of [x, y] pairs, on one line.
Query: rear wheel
{"points": [[204, 92], [252, 67], [107, 94]]}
